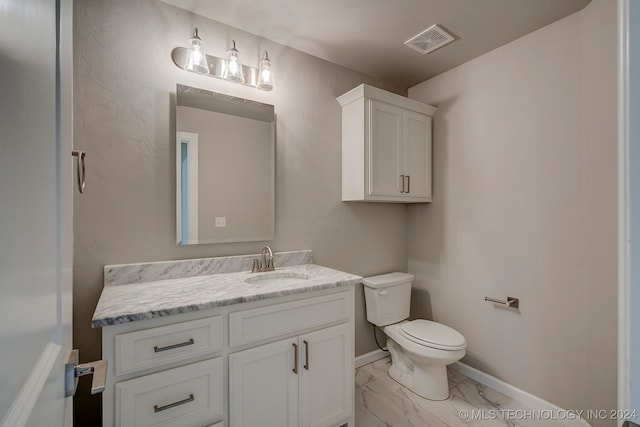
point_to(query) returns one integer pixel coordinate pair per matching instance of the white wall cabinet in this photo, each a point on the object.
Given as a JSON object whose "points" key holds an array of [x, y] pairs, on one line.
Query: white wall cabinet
{"points": [[386, 147], [304, 381], [234, 365]]}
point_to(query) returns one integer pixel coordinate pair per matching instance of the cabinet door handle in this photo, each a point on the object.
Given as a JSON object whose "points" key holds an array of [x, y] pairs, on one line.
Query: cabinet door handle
{"points": [[157, 408], [402, 179], [306, 355], [157, 349], [295, 358], [408, 184], [81, 169]]}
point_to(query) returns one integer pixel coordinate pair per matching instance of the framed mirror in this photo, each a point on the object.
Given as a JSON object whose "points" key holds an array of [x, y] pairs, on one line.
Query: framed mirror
{"points": [[225, 168]]}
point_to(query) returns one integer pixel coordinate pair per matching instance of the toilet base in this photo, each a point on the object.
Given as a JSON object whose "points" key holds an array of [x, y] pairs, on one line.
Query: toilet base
{"points": [[428, 380]]}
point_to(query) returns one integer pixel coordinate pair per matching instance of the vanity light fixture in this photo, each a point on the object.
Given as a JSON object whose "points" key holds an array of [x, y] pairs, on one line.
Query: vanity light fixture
{"points": [[194, 59], [233, 70], [265, 76]]}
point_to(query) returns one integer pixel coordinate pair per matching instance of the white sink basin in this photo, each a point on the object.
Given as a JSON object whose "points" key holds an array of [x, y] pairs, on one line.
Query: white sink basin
{"points": [[277, 278]]}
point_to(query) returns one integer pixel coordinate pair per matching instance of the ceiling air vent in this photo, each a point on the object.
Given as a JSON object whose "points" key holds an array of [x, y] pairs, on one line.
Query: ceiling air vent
{"points": [[430, 39]]}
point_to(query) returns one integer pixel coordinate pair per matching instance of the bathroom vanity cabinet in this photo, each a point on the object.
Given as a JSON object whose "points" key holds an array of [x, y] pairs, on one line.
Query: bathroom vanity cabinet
{"points": [[386, 147], [284, 361]]}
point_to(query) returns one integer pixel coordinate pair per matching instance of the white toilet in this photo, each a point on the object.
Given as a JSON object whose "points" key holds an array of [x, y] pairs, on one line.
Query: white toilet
{"points": [[420, 349]]}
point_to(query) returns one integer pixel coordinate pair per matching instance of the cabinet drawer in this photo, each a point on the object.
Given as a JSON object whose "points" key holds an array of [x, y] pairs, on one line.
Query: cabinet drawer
{"points": [[136, 351], [288, 318], [187, 396]]}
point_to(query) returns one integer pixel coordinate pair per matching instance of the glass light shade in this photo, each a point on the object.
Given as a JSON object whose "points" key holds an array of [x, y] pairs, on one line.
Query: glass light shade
{"points": [[196, 58], [233, 68], [265, 74]]}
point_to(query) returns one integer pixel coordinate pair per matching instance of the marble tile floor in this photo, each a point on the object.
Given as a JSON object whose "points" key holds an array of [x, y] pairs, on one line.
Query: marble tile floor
{"points": [[382, 402]]}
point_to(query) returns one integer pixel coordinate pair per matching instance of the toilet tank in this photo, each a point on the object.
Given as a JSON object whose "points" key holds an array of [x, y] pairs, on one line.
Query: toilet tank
{"points": [[387, 297]]}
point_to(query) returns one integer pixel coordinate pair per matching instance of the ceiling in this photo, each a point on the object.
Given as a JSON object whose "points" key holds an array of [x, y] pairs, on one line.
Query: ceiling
{"points": [[368, 35]]}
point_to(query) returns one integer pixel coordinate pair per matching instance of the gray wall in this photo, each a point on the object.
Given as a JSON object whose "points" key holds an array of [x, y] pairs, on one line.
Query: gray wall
{"points": [[125, 82], [525, 205]]}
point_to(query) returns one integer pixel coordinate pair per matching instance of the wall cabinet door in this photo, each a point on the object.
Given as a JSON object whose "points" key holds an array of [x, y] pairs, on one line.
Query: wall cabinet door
{"points": [[263, 387], [399, 153], [326, 380], [385, 149], [416, 136]]}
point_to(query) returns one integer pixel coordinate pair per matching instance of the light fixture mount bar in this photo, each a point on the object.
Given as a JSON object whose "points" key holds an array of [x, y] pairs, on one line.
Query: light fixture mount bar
{"points": [[216, 67]]}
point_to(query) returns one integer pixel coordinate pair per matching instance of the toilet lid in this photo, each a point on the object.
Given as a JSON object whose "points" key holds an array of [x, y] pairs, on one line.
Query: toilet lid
{"points": [[434, 334]]}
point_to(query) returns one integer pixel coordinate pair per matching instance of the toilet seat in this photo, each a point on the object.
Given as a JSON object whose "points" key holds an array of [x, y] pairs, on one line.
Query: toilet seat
{"points": [[433, 334]]}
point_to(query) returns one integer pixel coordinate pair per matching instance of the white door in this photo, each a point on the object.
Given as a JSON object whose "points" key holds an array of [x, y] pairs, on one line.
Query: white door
{"points": [[35, 211], [385, 150], [263, 387], [629, 213], [417, 154], [326, 379]]}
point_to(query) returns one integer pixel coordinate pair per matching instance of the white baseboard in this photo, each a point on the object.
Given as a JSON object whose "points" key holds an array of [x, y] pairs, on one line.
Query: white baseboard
{"points": [[515, 393], [372, 356]]}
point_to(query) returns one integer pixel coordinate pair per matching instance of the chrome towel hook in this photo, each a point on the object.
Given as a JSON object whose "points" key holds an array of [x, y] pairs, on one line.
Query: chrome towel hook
{"points": [[81, 169]]}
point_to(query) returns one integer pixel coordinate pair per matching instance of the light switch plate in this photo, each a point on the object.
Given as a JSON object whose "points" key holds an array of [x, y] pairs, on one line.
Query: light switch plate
{"points": [[221, 221]]}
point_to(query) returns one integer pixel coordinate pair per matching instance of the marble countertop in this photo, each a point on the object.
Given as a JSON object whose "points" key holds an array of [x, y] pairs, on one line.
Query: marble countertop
{"points": [[145, 300]]}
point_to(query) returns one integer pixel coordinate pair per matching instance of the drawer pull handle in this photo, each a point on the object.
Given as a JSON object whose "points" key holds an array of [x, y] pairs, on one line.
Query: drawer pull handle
{"points": [[157, 408], [157, 349], [306, 355], [295, 358], [402, 179]]}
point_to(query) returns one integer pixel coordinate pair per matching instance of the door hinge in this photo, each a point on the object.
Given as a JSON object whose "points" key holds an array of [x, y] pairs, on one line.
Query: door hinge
{"points": [[73, 370]]}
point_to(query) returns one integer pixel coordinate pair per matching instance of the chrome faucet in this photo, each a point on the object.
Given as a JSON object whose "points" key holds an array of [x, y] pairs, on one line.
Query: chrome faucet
{"points": [[265, 263]]}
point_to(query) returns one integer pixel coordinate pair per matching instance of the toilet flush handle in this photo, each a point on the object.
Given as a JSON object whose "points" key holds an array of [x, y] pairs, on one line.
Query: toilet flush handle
{"points": [[383, 292]]}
